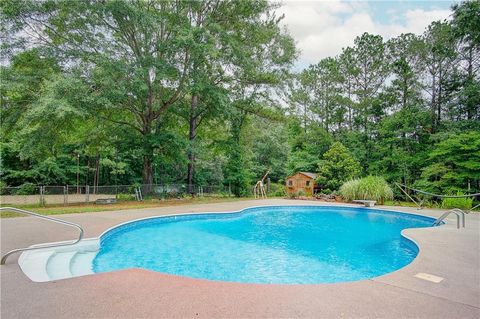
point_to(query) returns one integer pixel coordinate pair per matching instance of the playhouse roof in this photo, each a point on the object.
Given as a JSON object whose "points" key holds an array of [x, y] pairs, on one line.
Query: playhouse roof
{"points": [[308, 174]]}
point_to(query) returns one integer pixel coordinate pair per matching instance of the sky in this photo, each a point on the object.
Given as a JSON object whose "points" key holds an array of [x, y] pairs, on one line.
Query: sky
{"points": [[322, 28]]}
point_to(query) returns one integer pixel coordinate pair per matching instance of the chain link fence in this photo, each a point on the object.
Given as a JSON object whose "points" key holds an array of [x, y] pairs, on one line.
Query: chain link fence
{"points": [[29, 194], [22, 195]]}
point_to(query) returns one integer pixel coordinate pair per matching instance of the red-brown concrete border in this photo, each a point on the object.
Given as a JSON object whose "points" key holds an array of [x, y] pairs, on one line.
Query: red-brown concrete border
{"points": [[135, 293]]}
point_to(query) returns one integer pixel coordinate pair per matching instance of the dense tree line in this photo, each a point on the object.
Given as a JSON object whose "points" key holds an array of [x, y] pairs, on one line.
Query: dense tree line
{"points": [[203, 93], [407, 108]]}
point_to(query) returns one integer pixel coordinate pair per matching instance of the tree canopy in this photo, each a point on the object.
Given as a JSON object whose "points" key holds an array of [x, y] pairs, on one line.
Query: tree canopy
{"points": [[205, 93], [337, 167]]}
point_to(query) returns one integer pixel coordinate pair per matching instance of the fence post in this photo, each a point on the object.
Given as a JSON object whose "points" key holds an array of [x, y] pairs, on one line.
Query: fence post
{"points": [[64, 195], [87, 193], [42, 195]]}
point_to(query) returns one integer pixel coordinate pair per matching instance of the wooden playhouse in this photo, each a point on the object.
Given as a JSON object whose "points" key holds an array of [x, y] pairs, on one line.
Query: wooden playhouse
{"points": [[301, 181]]}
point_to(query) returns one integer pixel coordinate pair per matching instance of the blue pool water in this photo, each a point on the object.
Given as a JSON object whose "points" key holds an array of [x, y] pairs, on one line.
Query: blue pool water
{"points": [[285, 244]]}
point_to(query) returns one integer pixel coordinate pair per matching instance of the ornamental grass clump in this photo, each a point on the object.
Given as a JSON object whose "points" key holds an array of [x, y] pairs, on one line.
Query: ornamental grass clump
{"points": [[349, 190], [369, 188]]}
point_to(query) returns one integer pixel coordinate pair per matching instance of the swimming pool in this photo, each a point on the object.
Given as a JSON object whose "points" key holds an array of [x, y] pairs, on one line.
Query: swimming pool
{"points": [[281, 244]]}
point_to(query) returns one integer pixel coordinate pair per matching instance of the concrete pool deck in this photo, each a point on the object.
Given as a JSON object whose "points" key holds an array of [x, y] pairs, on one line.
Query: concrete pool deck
{"points": [[445, 251]]}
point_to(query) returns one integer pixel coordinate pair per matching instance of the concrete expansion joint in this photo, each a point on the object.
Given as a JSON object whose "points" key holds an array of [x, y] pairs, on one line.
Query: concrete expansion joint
{"points": [[424, 293]]}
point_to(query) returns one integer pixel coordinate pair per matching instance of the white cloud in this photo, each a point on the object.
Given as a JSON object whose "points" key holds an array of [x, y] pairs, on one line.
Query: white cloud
{"points": [[418, 20], [323, 28]]}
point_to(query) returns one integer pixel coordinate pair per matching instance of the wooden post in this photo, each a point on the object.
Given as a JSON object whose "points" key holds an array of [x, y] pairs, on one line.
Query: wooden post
{"points": [[41, 195], [65, 194], [78, 173]]}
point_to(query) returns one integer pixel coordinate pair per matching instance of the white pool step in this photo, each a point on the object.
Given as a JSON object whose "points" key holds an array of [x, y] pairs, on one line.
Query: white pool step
{"points": [[58, 266], [61, 262], [37, 265], [80, 261]]}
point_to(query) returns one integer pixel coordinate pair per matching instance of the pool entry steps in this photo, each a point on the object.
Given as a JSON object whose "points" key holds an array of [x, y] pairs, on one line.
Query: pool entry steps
{"points": [[47, 264]]}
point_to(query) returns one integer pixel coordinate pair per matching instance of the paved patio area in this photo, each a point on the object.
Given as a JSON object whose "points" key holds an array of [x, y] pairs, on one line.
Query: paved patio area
{"points": [[135, 293]]}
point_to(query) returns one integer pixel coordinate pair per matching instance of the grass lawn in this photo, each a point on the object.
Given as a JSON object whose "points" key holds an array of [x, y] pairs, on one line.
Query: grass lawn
{"points": [[127, 204], [92, 207]]}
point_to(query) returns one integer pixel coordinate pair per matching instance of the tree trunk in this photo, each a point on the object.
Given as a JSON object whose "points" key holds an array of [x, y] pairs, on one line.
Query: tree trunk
{"points": [[88, 171], [236, 172], [305, 118], [433, 102], [192, 134], [94, 178], [96, 174], [470, 105], [350, 106], [440, 96], [78, 173], [147, 175]]}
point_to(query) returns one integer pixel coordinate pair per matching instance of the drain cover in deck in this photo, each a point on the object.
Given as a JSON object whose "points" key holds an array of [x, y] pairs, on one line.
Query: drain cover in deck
{"points": [[429, 277]]}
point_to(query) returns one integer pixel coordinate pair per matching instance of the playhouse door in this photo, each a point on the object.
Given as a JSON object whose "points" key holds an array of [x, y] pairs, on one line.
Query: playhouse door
{"points": [[300, 183]]}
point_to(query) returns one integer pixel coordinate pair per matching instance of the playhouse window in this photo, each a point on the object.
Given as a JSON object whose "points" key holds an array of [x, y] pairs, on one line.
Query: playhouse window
{"points": [[308, 183], [290, 183]]}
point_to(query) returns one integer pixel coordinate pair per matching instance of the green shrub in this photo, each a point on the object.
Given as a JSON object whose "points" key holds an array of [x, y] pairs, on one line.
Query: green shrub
{"points": [[122, 196], [300, 193], [3, 187], [27, 189], [337, 166], [462, 203], [276, 190], [370, 188], [326, 191], [297, 194]]}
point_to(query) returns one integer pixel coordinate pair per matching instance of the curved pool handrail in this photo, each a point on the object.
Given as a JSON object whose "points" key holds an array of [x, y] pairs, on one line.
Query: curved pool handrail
{"points": [[55, 220], [457, 211]]}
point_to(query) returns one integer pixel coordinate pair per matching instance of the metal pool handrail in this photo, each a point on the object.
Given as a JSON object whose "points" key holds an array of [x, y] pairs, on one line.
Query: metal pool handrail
{"points": [[55, 220], [458, 212]]}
